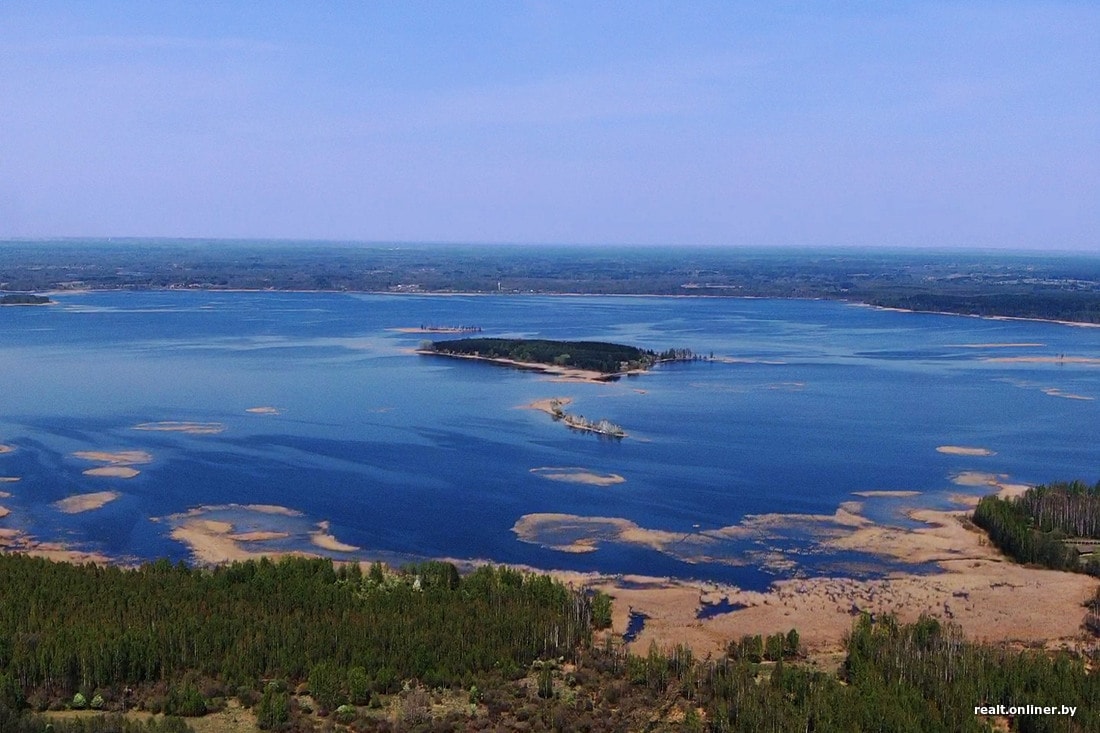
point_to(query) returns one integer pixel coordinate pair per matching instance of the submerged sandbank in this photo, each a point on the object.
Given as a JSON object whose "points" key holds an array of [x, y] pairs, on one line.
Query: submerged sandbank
{"points": [[117, 458], [85, 502], [113, 471], [176, 426], [577, 475], [962, 450]]}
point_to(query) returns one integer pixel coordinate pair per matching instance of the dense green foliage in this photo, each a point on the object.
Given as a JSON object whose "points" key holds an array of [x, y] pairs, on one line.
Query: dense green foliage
{"points": [[1034, 527], [512, 648], [592, 355], [67, 629]]}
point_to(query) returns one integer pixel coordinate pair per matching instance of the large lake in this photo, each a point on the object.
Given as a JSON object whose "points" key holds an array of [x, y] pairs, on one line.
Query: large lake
{"points": [[409, 456]]}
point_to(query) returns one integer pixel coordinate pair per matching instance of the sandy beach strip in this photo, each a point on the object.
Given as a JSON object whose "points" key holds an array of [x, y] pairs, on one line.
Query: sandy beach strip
{"points": [[264, 410], [962, 450], [85, 502], [177, 426], [10, 479], [998, 346]]}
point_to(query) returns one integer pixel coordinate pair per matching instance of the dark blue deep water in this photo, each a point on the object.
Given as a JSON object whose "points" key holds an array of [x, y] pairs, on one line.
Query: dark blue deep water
{"points": [[408, 456]]}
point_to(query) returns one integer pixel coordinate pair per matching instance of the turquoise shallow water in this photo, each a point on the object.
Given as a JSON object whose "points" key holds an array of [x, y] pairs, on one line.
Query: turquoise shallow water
{"points": [[408, 456]]}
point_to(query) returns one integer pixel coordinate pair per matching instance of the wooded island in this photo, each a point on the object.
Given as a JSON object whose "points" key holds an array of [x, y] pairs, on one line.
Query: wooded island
{"points": [[606, 359]]}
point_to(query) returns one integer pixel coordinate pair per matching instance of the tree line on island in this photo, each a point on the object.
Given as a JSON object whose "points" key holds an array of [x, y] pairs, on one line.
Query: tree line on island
{"points": [[303, 643], [597, 356]]}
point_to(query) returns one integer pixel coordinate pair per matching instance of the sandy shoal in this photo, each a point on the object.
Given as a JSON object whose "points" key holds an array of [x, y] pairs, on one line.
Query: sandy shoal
{"points": [[9, 479], [86, 502], [6, 448], [972, 585], [547, 405], [962, 450], [120, 458], [4, 511], [326, 541], [176, 426], [5, 494], [576, 475], [264, 410], [113, 471]]}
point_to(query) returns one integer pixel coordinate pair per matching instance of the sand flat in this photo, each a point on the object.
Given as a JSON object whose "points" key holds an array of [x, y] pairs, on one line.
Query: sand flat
{"points": [[989, 597], [962, 450], [85, 502], [113, 471]]}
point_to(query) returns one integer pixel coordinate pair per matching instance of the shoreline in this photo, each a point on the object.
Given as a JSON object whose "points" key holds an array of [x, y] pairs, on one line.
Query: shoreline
{"points": [[456, 293], [969, 583]]}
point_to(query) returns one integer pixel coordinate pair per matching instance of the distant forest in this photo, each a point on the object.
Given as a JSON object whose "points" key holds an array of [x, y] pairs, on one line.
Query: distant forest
{"points": [[1059, 287], [304, 643]]}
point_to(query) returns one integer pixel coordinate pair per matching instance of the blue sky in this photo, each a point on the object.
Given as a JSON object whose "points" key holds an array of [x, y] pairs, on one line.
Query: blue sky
{"points": [[938, 124]]}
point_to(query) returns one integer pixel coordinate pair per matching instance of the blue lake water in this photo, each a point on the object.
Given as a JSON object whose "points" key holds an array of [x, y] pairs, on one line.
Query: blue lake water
{"points": [[409, 456]]}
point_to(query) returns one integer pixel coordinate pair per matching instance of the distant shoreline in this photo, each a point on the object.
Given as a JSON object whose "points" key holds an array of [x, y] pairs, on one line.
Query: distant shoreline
{"points": [[487, 294]]}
